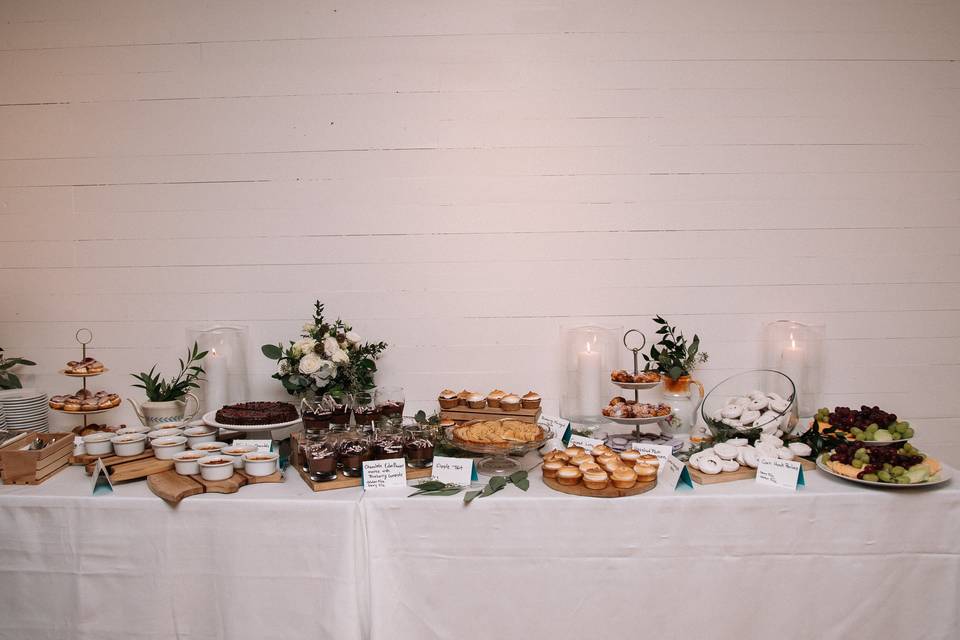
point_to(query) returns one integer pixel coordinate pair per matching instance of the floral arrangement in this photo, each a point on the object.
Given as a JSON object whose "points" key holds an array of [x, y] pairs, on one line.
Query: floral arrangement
{"points": [[328, 357]]}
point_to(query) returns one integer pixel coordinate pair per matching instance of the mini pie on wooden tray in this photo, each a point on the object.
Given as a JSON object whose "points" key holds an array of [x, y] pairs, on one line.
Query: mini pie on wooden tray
{"points": [[498, 433]]}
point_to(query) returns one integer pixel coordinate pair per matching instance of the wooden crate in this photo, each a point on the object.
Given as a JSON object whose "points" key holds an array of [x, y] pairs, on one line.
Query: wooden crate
{"points": [[463, 413], [33, 467]]}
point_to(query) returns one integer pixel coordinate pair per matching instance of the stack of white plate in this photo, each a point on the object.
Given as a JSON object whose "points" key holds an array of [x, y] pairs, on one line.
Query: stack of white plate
{"points": [[26, 410]]}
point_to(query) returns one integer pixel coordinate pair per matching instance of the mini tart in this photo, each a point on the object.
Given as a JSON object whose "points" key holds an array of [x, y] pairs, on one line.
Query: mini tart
{"points": [[448, 399], [607, 457], [580, 459], [649, 459], [550, 468], [595, 479], [590, 466], [530, 400], [569, 476], [556, 455], [573, 451], [645, 472], [624, 478], [630, 456], [599, 450], [494, 397], [510, 402], [613, 465], [476, 401]]}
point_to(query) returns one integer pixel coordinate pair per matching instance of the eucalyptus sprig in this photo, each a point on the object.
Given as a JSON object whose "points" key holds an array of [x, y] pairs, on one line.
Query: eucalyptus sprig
{"points": [[497, 483]]}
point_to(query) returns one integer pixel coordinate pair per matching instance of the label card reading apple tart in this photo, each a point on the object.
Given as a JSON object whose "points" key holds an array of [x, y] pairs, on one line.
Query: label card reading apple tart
{"points": [[559, 427], [461, 471], [662, 451], [586, 443], [673, 475], [780, 473], [100, 482], [383, 474]]}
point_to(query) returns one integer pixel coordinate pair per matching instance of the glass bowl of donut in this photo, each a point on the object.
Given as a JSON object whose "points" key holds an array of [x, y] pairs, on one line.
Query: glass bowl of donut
{"points": [[750, 404]]}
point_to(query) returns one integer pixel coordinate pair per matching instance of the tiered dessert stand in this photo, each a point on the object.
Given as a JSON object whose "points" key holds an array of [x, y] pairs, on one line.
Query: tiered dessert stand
{"points": [[84, 337], [636, 387]]}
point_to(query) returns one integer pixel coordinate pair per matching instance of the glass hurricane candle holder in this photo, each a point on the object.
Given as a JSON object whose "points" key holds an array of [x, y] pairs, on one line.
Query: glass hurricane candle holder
{"points": [[590, 354], [225, 367], [796, 350]]}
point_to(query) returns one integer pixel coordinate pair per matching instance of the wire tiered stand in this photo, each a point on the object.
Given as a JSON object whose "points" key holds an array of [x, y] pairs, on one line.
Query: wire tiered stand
{"points": [[84, 337], [621, 441]]}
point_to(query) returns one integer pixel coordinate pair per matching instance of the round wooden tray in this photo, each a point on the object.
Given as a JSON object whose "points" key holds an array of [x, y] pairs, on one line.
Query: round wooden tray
{"points": [[610, 492]]}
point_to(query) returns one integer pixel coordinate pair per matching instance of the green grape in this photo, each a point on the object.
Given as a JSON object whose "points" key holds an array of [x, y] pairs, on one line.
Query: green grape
{"points": [[887, 466], [873, 427], [908, 432], [869, 437], [903, 480], [884, 476], [861, 437], [871, 477], [898, 471], [856, 431], [858, 463], [825, 458]]}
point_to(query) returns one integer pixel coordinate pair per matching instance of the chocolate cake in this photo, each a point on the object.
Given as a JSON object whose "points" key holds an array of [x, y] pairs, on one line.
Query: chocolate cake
{"points": [[254, 413]]}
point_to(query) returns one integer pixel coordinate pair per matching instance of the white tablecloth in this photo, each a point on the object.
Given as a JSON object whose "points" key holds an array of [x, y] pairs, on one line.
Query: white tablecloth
{"points": [[725, 561], [271, 561]]}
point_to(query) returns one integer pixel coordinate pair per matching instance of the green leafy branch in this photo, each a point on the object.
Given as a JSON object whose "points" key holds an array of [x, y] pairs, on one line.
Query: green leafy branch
{"points": [[673, 356], [160, 390], [497, 483], [9, 380]]}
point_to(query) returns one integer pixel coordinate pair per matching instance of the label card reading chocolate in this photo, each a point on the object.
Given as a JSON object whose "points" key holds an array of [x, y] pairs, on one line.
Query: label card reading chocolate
{"points": [[582, 441], [559, 427], [662, 451], [263, 446], [780, 473], [382, 474], [100, 482], [673, 475], [461, 471]]}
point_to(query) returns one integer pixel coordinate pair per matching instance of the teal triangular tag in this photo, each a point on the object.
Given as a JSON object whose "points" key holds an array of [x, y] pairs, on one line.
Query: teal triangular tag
{"points": [[685, 482], [474, 477], [566, 435], [800, 481]]}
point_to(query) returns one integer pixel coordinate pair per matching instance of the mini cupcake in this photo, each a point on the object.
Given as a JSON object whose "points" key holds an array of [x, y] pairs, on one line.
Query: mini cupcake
{"points": [[463, 395], [581, 459], [599, 450], [551, 467], [530, 400], [476, 401], [556, 455], [612, 465], [595, 480], [624, 478], [448, 399], [510, 402], [604, 458], [590, 466], [568, 475], [649, 459], [494, 397], [630, 456], [573, 451], [645, 472], [446, 424]]}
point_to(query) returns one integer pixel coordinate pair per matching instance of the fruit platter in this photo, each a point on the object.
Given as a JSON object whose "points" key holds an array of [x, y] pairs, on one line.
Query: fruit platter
{"points": [[870, 425], [883, 466]]}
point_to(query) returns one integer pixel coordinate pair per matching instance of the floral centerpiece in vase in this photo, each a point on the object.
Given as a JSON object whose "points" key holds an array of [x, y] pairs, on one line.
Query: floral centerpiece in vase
{"points": [[328, 364], [675, 358]]}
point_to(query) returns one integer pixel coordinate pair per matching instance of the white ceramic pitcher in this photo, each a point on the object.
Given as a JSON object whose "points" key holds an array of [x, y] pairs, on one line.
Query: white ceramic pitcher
{"points": [[157, 415]]}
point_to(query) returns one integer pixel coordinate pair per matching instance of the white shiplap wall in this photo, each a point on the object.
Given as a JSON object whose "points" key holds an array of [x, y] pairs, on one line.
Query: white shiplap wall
{"points": [[461, 178]]}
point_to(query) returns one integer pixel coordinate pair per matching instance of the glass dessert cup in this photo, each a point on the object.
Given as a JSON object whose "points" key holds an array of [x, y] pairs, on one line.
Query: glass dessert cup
{"points": [[387, 443], [418, 447], [497, 461], [354, 448], [365, 411], [320, 457], [389, 402]]}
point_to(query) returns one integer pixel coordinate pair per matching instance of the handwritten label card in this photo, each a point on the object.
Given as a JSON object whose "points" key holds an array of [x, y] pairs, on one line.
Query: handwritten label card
{"points": [[662, 451], [559, 427], [587, 443], [100, 482], [382, 474], [263, 446], [674, 475], [779, 473], [461, 471]]}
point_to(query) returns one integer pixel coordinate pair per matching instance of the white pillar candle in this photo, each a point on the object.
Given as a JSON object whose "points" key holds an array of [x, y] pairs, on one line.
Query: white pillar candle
{"points": [[791, 363], [215, 391], [588, 382]]}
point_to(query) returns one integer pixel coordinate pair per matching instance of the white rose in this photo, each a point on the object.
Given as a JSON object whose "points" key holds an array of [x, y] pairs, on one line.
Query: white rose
{"points": [[340, 357], [330, 346], [307, 328], [353, 337], [324, 374], [310, 363], [305, 345], [283, 368]]}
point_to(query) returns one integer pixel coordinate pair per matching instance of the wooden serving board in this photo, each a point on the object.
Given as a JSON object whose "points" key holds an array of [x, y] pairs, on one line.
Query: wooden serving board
{"points": [[344, 482], [173, 487], [134, 469], [463, 413], [743, 473], [610, 492], [109, 459]]}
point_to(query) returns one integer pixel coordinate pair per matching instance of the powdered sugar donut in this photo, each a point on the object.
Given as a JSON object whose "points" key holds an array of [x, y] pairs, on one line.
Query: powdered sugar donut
{"points": [[732, 411], [711, 465], [758, 404], [799, 448], [749, 417], [779, 405], [730, 465], [737, 442], [725, 451], [785, 454]]}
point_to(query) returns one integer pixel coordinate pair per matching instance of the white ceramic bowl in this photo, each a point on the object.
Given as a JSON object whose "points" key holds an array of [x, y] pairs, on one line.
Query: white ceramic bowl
{"points": [[196, 435], [209, 448], [166, 448], [134, 429], [187, 462], [129, 444], [98, 444], [216, 467], [236, 452], [163, 433], [260, 463]]}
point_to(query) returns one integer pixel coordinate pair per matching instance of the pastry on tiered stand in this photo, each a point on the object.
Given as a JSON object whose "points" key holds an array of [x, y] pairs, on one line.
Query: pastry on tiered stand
{"points": [[85, 367], [84, 401]]}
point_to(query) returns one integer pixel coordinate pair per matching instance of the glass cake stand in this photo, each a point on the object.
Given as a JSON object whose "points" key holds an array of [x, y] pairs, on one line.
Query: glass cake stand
{"points": [[497, 462]]}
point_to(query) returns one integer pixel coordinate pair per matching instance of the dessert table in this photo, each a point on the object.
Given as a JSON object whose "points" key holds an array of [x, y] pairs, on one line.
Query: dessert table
{"points": [[722, 561]]}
